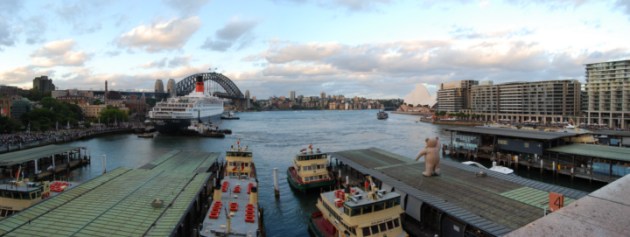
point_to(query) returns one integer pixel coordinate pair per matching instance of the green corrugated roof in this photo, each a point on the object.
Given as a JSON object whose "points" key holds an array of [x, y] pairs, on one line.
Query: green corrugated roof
{"points": [[532, 196], [597, 151], [19, 157], [121, 206]]}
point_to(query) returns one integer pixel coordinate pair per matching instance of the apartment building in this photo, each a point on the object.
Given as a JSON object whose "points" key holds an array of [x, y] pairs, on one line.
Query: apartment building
{"points": [[454, 96], [608, 90]]}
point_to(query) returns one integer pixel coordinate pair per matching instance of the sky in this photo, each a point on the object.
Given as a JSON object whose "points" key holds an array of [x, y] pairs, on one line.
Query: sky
{"points": [[367, 48]]}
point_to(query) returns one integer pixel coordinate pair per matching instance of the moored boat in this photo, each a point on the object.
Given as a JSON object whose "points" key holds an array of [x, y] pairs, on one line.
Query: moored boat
{"points": [[495, 167], [382, 115], [229, 116], [234, 210], [356, 212], [309, 170]]}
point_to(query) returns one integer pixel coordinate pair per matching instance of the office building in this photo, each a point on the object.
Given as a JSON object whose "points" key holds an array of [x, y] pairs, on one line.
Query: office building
{"points": [[159, 86], [43, 84], [292, 95], [454, 96]]}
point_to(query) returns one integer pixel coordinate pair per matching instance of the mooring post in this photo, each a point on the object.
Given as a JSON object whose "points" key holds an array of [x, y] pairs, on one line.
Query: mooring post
{"points": [[276, 190]]}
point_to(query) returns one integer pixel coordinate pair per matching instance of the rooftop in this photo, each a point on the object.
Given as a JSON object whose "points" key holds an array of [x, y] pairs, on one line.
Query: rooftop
{"points": [[605, 212], [515, 133], [496, 203], [19, 157], [119, 203], [597, 151]]}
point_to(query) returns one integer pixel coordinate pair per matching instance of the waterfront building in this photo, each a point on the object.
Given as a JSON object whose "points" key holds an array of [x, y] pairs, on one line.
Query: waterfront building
{"points": [[455, 96], [608, 90], [171, 89], [43, 84], [159, 86], [539, 102]]}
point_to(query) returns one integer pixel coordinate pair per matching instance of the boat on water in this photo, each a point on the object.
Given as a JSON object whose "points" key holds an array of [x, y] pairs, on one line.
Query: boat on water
{"points": [[309, 170], [176, 113], [495, 167], [382, 115], [356, 212], [234, 210], [229, 116], [16, 196], [146, 135]]}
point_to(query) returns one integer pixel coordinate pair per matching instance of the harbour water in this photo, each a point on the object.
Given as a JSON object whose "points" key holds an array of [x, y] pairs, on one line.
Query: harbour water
{"points": [[275, 137]]}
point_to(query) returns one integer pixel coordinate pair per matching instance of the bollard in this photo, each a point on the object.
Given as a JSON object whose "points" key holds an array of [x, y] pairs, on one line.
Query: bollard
{"points": [[276, 191], [541, 166]]}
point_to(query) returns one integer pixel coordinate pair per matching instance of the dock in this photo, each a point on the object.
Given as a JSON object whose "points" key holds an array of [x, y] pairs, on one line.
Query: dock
{"points": [[167, 197], [40, 162], [458, 202]]}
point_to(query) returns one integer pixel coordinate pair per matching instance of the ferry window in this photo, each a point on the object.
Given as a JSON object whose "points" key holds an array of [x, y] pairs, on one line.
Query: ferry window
{"points": [[346, 210], [378, 206], [383, 226], [355, 211], [2, 213], [396, 222], [366, 231], [374, 229], [397, 201], [389, 204], [390, 225], [366, 209]]}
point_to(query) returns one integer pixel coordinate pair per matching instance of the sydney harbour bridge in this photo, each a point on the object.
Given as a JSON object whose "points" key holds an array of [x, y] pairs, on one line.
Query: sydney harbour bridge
{"points": [[221, 85]]}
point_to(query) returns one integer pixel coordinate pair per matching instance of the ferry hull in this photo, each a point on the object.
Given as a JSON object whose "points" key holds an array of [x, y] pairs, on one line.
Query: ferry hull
{"points": [[320, 227], [304, 187]]}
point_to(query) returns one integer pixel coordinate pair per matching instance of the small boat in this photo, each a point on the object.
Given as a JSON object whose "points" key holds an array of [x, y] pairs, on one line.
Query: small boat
{"points": [[382, 115], [234, 210], [229, 116], [212, 134], [355, 212], [146, 135], [309, 170], [495, 167]]}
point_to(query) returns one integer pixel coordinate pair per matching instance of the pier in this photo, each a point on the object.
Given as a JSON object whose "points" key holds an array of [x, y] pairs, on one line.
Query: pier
{"points": [[458, 202], [540, 150], [167, 197], [41, 162]]}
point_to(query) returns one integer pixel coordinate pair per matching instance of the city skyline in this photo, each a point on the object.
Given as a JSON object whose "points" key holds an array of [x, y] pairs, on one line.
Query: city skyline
{"points": [[375, 49]]}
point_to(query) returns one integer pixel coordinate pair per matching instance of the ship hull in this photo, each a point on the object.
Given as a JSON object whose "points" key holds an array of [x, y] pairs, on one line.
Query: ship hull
{"points": [[177, 126]]}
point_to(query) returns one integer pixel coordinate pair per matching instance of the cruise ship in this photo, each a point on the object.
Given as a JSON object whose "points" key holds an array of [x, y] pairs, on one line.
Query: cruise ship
{"points": [[234, 210], [176, 113]]}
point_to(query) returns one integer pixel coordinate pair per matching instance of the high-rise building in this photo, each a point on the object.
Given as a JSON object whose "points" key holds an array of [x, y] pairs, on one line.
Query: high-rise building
{"points": [[43, 84], [455, 96], [608, 91], [541, 101], [170, 88], [292, 95], [159, 86]]}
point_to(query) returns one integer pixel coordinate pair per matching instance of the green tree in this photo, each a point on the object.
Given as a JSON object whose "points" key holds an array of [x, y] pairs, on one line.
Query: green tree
{"points": [[9, 125], [112, 114]]}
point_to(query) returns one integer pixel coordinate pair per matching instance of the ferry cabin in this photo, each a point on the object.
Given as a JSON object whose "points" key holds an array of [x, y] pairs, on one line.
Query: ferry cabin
{"points": [[239, 162], [360, 215], [15, 198], [311, 167]]}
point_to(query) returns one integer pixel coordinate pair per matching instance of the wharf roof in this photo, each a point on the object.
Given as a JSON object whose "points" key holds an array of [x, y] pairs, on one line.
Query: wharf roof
{"points": [[597, 151], [605, 212], [118, 203], [612, 133], [496, 203], [514, 133], [22, 156]]}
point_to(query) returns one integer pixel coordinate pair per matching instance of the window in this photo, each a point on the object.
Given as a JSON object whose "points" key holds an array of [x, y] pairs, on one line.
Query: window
{"points": [[390, 225], [378, 206], [374, 229], [383, 226], [366, 231], [396, 222], [366, 209]]}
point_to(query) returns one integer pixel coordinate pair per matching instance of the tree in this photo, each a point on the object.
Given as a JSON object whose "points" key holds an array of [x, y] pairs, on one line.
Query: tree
{"points": [[111, 114], [9, 125]]}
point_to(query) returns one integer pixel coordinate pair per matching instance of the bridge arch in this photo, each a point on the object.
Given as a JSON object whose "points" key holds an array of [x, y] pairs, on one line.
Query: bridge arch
{"points": [[187, 85]]}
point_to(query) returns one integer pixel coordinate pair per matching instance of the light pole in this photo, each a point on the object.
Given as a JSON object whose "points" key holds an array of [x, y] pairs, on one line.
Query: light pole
{"points": [[104, 163]]}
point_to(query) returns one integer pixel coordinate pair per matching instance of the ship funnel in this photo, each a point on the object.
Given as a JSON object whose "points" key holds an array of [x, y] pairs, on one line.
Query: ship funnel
{"points": [[199, 84]]}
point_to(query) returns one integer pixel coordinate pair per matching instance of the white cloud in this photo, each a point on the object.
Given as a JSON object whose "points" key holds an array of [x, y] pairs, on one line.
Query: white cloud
{"points": [[186, 7], [59, 53], [169, 35], [235, 32], [175, 62]]}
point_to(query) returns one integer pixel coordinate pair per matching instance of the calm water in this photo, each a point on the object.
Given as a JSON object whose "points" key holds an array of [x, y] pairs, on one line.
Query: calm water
{"points": [[275, 137]]}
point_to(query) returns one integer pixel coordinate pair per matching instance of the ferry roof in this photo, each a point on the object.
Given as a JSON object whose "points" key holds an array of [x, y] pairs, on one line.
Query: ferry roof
{"points": [[22, 156], [119, 203], [515, 133], [238, 224], [597, 151], [496, 203], [360, 197], [605, 212]]}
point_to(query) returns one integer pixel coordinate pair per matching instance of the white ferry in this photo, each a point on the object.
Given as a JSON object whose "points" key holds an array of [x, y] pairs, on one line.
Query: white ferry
{"points": [[176, 113], [234, 210], [357, 213]]}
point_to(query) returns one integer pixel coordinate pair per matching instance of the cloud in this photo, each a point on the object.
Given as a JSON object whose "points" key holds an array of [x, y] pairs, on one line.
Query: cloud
{"points": [[10, 7], [175, 62], [22, 76], [59, 53], [82, 15], [350, 5], [235, 32], [7, 35], [169, 35], [186, 7], [624, 6]]}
